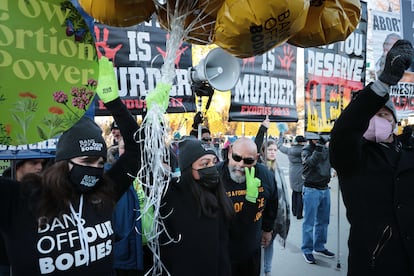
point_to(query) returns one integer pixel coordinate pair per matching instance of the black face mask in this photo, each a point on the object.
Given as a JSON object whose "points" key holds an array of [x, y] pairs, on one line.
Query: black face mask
{"points": [[209, 177], [85, 178]]}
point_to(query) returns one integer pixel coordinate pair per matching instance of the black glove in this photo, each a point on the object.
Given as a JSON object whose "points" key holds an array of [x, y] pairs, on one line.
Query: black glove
{"points": [[322, 140], [398, 60], [198, 119]]}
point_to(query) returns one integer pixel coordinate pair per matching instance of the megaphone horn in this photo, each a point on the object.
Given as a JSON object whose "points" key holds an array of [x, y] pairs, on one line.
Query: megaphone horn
{"points": [[220, 69], [201, 73]]}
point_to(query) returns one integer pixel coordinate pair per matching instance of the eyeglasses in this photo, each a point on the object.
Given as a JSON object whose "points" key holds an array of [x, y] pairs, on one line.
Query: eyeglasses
{"points": [[238, 158], [206, 139]]}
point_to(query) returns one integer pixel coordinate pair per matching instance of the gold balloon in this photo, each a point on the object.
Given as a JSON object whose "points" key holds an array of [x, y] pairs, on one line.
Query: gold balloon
{"points": [[328, 22], [119, 13], [247, 28]]}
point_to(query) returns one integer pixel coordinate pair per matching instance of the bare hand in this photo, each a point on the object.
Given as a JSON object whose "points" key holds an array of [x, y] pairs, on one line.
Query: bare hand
{"points": [[266, 122], [266, 238]]}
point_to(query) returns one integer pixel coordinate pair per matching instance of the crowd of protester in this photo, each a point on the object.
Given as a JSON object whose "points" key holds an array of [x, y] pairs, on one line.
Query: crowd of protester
{"points": [[81, 214]]}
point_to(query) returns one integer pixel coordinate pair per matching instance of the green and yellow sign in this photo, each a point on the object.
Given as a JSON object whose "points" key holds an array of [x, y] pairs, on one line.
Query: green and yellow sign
{"points": [[48, 69]]}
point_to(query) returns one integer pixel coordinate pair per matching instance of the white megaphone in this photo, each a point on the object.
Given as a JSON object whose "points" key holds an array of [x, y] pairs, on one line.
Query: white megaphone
{"points": [[220, 69]]}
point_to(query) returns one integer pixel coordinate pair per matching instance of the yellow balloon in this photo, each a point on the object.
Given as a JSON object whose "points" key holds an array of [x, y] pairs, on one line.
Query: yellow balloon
{"points": [[327, 22], [247, 28], [119, 13], [199, 22]]}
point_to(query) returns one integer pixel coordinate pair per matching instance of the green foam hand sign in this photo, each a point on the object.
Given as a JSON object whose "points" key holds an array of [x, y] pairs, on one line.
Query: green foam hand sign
{"points": [[107, 89], [252, 184], [159, 96]]}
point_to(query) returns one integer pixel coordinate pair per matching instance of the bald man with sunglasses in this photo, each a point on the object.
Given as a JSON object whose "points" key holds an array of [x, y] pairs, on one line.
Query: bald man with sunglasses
{"points": [[252, 190]]}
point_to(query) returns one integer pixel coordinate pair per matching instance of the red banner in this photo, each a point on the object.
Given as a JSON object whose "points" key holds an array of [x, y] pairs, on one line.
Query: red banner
{"points": [[333, 73]]}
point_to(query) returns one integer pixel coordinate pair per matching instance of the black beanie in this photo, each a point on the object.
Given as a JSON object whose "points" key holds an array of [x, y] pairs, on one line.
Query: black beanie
{"points": [[83, 139], [300, 139], [190, 150]]}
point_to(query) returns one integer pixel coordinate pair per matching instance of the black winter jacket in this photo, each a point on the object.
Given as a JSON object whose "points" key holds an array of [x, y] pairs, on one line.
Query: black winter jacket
{"points": [[200, 245], [54, 248], [376, 181], [316, 166], [251, 218]]}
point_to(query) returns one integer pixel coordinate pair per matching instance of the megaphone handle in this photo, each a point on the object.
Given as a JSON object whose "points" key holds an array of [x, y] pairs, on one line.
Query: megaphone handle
{"points": [[199, 132], [210, 97], [199, 125]]}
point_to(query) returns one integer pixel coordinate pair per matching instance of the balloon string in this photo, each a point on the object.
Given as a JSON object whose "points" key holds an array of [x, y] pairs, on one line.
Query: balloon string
{"points": [[154, 174]]}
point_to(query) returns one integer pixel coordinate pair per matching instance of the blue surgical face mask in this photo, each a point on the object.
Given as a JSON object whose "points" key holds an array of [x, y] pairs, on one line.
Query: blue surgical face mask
{"points": [[85, 178]]}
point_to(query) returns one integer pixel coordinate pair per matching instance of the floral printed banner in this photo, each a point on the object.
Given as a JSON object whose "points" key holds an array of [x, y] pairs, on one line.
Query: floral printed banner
{"points": [[48, 69]]}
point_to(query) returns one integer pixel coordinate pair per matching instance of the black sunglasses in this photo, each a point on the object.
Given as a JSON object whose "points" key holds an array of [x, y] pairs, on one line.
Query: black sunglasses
{"points": [[206, 139], [238, 158]]}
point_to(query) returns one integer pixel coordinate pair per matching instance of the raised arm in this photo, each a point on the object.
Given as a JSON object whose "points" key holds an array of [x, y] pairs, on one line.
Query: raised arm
{"points": [[126, 167], [258, 140]]}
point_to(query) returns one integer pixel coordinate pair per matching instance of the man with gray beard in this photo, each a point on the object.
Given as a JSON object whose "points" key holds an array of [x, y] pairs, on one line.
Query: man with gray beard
{"points": [[253, 192]]}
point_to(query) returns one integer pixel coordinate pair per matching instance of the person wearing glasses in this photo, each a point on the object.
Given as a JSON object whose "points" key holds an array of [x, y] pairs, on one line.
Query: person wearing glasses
{"points": [[205, 134], [207, 140], [253, 191]]}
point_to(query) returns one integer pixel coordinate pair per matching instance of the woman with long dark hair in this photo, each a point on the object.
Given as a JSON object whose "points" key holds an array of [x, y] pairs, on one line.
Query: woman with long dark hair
{"points": [[59, 222], [197, 215]]}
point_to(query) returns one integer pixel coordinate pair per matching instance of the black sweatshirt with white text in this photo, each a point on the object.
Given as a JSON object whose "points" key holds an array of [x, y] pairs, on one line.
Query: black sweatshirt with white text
{"points": [[54, 248]]}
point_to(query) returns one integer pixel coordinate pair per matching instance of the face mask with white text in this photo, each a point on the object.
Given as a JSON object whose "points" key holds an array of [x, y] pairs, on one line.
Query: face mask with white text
{"points": [[84, 178]]}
